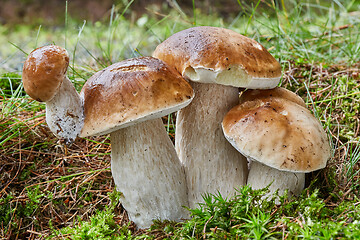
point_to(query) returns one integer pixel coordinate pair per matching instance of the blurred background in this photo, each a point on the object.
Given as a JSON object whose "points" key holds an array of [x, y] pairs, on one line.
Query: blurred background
{"points": [[51, 12]]}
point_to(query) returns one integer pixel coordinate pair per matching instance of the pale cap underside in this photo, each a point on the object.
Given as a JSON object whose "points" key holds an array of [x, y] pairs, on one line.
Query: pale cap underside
{"points": [[218, 55]]}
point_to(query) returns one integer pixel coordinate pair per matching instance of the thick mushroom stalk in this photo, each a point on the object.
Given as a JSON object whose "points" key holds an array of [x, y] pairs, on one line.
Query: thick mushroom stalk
{"points": [[127, 100], [147, 171], [280, 137], [44, 79], [260, 176], [219, 61], [211, 163]]}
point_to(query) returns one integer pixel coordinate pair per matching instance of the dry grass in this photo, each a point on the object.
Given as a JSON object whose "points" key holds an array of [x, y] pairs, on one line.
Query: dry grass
{"points": [[331, 102], [69, 183], [328, 95]]}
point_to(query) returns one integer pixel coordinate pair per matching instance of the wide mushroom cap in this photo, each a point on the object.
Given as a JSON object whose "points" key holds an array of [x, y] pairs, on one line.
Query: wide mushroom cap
{"points": [[277, 132], [132, 91], [44, 71], [218, 55]]}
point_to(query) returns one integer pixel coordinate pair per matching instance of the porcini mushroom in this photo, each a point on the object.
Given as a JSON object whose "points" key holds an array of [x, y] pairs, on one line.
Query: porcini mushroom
{"points": [[127, 100], [218, 61], [281, 137], [44, 79]]}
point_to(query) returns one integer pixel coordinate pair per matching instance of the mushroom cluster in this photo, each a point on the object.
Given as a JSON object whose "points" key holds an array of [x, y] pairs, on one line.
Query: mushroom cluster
{"points": [[217, 61], [217, 133]]}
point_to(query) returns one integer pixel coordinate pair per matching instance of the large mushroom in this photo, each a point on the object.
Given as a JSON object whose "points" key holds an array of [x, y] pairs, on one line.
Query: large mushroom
{"points": [[279, 135], [44, 79], [127, 100], [218, 61]]}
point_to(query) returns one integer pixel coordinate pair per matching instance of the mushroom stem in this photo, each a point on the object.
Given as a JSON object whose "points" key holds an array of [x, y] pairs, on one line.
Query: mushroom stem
{"points": [[147, 171], [211, 164], [65, 112], [260, 176]]}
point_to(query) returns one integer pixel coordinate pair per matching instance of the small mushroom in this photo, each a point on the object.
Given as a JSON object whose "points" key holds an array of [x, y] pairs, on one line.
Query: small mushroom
{"points": [[218, 61], [280, 136], [127, 100], [44, 79]]}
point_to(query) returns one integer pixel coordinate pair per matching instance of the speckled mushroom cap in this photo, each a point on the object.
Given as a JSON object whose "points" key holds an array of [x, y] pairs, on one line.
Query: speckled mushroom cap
{"points": [[132, 91], [43, 72], [218, 55], [278, 92], [278, 133]]}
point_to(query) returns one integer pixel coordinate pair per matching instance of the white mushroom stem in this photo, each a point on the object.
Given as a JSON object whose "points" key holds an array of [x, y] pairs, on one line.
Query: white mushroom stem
{"points": [[65, 112], [211, 163], [147, 171], [260, 176]]}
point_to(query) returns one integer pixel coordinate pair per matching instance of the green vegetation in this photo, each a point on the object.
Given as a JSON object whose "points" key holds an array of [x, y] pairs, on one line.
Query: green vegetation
{"points": [[249, 216], [50, 190], [245, 216]]}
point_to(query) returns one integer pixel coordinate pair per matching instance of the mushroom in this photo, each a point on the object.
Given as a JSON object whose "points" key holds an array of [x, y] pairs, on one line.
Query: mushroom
{"points": [[44, 79], [218, 61], [127, 100], [275, 130]]}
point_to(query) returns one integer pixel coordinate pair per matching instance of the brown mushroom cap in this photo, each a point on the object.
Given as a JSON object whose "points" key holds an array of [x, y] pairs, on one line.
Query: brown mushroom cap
{"points": [[278, 133], [131, 91], [277, 92], [43, 72], [236, 59]]}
